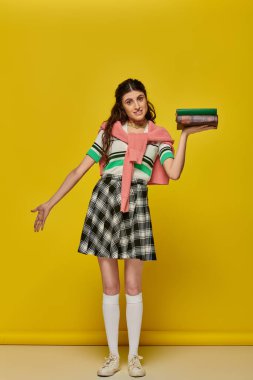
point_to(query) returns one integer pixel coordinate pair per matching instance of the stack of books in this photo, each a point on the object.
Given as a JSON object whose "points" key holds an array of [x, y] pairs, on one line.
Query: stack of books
{"points": [[188, 117]]}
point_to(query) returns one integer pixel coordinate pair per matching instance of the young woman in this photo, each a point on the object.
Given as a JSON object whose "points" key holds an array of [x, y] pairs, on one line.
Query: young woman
{"points": [[118, 224]]}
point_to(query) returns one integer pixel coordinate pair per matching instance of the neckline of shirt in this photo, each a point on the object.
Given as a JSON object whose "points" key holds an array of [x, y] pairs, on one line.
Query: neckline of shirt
{"points": [[125, 128]]}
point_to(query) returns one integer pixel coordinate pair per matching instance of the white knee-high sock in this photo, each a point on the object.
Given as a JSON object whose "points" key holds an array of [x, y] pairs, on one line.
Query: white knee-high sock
{"points": [[134, 311], [111, 313]]}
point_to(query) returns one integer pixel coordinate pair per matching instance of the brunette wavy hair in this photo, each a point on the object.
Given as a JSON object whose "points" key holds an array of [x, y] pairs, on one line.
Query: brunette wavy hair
{"points": [[118, 112]]}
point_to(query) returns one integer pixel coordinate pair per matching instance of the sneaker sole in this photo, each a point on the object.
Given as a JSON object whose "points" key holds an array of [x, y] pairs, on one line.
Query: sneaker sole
{"points": [[116, 370], [136, 375]]}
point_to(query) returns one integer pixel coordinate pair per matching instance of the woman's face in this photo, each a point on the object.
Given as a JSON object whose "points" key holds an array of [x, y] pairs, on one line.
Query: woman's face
{"points": [[136, 106]]}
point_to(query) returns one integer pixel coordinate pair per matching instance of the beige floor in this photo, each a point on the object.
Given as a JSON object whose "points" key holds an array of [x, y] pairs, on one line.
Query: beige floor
{"points": [[18, 362]]}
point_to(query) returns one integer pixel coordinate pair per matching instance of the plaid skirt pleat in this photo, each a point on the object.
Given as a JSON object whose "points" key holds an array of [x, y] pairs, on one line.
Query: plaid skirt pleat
{"points": [[108, 232]]}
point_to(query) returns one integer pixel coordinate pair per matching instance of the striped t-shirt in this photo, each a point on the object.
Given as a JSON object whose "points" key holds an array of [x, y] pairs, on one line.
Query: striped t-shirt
{"points": [[118, 150]]}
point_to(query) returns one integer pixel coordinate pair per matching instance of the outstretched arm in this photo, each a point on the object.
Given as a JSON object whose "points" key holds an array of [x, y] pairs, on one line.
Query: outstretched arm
{"points": [[72, 178], [174, 166], [93, 155]]}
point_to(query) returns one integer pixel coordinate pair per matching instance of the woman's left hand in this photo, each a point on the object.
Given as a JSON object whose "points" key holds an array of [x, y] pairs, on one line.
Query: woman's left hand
{"points": [[197, 128]]}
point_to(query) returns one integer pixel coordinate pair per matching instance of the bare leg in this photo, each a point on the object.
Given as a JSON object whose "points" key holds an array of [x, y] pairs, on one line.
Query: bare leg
{"points": [[110, 275], [133, 276]]}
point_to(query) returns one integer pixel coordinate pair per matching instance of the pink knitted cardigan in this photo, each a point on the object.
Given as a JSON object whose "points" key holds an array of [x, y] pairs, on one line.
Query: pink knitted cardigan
{"points": [[137, 143]]}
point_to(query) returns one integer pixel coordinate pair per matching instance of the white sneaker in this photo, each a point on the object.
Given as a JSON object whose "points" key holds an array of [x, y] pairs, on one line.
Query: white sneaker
{"points": [[134, 366], [110, 366]]}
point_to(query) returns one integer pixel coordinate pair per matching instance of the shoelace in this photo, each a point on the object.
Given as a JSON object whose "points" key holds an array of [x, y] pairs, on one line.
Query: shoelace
{"points": [[134, 361], [109, 360]]}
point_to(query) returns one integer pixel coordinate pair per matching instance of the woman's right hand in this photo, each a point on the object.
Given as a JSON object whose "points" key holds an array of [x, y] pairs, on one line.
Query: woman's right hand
{"points": [[43, 210]]}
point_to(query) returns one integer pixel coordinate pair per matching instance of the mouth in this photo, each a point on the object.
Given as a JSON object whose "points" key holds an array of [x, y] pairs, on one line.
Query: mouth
{"points": [[138, 112]]}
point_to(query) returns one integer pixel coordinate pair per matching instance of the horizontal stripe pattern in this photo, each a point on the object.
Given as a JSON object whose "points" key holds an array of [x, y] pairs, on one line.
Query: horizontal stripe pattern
{"points": [[165, 152], [117, 153]]}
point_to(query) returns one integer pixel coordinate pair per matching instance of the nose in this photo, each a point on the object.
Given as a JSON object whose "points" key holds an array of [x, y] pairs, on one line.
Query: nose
{"points": [[137, 106]]}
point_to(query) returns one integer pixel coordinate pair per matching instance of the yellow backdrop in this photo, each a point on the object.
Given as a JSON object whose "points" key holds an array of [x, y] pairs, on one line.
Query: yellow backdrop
{"points": [[61, 63]]}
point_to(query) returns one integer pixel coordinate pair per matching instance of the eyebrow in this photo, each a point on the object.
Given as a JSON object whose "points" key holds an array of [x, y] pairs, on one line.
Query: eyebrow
{"points": [[132, 98]]}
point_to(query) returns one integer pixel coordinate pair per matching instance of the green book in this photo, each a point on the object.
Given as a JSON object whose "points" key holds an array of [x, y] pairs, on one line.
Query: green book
{"points": [[196, 111]]}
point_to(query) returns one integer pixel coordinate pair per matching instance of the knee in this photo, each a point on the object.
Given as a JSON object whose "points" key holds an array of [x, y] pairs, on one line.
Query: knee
{"points": [[111, 289], [132, 289]]}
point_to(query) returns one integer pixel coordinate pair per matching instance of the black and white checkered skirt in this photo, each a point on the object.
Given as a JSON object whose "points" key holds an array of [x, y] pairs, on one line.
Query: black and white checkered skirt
{"points": [[108, 232]]}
